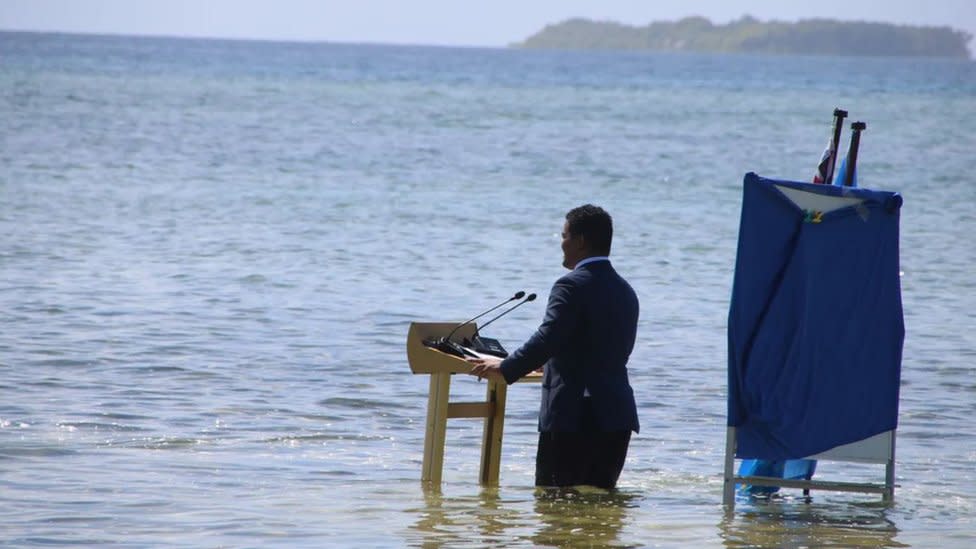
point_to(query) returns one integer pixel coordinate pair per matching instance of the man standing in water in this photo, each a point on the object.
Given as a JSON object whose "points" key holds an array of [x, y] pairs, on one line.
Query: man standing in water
{"points": [[584, 341]]}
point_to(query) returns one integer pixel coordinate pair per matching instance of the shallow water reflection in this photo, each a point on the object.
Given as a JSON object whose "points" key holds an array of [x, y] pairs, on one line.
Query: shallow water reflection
{"points": [[794, 523], [591, 518], [626, 518], [543, 518]]}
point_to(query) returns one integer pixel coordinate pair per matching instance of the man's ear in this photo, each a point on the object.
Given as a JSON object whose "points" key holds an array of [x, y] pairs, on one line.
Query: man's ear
{"points": [[582, 244]]}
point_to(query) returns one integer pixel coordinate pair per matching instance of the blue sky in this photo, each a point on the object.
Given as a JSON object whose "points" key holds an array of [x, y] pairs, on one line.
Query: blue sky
{"points": [[437, 22]]}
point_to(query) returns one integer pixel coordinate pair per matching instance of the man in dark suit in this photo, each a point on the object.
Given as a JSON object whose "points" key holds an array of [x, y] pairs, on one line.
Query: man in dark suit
{"points": [[584, 341]]}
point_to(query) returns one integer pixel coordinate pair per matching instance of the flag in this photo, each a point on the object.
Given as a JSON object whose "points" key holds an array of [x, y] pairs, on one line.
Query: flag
{"points": [[841, 174], [825, 163], [825, 169]]}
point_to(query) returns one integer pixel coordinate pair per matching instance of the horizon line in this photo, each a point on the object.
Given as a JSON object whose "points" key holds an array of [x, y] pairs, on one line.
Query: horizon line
{"points": [[292, 40], [319, 41]]}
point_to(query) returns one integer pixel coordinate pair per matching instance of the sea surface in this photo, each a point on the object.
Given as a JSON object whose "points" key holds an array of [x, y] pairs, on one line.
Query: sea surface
{"points": [[210, 252]]}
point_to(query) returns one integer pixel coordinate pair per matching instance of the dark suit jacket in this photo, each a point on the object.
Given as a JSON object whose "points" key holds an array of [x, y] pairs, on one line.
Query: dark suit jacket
{"points": [[584, 342]]}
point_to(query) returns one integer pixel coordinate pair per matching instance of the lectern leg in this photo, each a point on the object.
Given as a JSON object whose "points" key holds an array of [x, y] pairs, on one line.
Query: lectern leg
{"points": [[437, 401], [491, 441]]}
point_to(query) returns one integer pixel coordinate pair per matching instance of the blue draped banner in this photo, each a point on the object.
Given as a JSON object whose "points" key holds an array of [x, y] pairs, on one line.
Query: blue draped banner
{"points": [[815, 323]]}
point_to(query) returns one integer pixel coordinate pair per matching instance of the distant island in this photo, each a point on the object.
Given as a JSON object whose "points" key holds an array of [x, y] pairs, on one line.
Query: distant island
{"points": [[749, 35]]}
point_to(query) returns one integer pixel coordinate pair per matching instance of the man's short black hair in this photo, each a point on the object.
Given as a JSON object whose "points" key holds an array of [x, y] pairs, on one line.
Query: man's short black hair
{"points": [[594, 224]]}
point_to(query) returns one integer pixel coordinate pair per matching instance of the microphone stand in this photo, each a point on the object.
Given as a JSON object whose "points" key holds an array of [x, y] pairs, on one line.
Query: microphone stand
{"points": [[491, 346], [445, 345]]}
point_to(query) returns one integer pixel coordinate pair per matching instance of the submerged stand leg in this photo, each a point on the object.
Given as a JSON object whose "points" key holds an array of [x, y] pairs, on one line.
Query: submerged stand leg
{"points": [[728, 488], [889, 493], [491, 440], [437, 401]]}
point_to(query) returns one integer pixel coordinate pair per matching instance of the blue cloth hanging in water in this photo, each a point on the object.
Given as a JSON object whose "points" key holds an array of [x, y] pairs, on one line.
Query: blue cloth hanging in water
{"points": [[815, 323], [793, 469]]}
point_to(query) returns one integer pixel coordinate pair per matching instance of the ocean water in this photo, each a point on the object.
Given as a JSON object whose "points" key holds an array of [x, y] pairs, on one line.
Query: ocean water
{"points": [[211, 251]]}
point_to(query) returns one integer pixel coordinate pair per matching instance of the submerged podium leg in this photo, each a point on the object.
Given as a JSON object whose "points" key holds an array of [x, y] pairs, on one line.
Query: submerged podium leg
{"points": [[437, 402], [491, 440]]}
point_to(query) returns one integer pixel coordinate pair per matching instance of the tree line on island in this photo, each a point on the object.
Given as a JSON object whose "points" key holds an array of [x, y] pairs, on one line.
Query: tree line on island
{"points": [[749, 35]]}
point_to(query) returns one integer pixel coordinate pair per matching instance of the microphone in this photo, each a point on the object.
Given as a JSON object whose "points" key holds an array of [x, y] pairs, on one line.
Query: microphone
{"points": [[445, 344], [531, 297], [518, 295], [492, 346]]}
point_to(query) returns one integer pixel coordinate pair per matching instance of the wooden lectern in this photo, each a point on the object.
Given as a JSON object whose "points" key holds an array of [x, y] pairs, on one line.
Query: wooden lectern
{"points": [[441, 366]]}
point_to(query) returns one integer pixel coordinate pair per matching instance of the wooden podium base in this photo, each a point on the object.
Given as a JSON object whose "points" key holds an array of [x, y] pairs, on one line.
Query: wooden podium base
{"points": [[439, 410], [441, 366]]}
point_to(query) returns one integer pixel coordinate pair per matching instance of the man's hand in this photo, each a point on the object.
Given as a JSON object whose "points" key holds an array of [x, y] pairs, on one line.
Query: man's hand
{"points": [[486, 368]]}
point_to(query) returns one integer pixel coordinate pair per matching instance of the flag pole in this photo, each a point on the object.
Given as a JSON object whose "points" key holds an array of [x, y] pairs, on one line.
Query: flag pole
{"points": [[839, 116], [856, 129]]}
